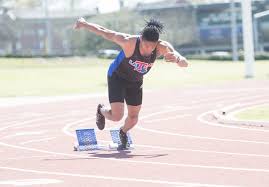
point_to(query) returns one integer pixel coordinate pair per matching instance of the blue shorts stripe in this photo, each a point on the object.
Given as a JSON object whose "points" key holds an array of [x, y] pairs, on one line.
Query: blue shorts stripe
{"points": [[114, 65]]}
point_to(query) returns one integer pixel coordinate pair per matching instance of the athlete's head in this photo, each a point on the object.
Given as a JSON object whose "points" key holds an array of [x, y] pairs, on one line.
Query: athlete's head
{"points": [[150, 35]]}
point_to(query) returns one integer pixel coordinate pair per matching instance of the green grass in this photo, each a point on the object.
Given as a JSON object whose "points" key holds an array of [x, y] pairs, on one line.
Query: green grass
{"points": [[21, 77], [60, 76], [256, 113]]}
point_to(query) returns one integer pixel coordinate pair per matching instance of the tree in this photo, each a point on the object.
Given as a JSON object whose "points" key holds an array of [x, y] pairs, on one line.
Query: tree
{"points": [[28, 3]]}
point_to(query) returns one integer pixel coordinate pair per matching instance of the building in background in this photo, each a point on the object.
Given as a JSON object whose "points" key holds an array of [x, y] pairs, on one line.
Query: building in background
{"points": [[7, 32], [31, 38], [193, 26], [212, 19], [27, 34]]}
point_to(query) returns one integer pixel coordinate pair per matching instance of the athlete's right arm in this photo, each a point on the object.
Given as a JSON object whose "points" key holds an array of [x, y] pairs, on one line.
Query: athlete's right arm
{"points": [[119, 38]]}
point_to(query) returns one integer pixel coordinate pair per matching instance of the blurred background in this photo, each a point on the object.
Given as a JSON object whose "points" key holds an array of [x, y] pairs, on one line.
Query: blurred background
{"points": [[41, 54], [44, 27]]}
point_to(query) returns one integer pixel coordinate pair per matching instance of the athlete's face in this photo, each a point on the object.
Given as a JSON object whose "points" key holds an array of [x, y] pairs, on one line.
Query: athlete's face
{"points": [[147, 47]]}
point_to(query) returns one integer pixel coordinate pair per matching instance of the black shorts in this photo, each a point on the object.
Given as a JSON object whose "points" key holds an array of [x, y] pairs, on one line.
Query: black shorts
{"points": [[120, 89]]}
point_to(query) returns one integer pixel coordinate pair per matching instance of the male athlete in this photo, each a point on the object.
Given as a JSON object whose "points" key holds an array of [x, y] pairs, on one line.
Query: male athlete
{"points": [[125, 74]]}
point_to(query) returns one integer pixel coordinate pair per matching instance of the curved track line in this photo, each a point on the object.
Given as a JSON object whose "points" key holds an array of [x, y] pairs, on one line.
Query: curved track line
{"points": [[67, 132], [201, 116], [191, 136], [32, 121], [142, 162], [38, 140], [201, 137]]}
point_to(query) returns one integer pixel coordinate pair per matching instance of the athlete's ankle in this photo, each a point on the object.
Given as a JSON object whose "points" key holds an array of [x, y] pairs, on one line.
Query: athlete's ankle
{"points": [[104, 110], [123, 130]]}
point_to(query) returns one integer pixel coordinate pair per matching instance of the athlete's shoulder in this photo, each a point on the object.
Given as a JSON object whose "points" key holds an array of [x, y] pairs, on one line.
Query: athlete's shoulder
{"points": [[162, 47], [129, 46], [131, 38], [162, 43]]}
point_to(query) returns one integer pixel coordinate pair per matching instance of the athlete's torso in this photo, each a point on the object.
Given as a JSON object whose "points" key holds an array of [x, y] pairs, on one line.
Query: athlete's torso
{"points": [[134, 67]]}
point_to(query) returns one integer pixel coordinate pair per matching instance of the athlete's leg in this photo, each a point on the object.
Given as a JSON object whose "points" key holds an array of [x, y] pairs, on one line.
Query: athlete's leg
{"points": [[116, 93], [115, 112], [134, 94], [130, 122], [134, 101], [132, 118]]}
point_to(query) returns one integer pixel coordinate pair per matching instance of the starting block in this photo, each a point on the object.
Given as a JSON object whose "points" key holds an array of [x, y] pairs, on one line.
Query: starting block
{"points": [[115, 135], [87, 141]]}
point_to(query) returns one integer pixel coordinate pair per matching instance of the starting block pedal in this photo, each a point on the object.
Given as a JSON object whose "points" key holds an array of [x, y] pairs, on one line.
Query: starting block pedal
{"points": [[86, 140], [115, 135]]}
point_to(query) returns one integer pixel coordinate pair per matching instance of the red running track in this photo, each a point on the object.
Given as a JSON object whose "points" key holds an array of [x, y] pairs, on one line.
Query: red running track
{"points": [[177, 142]]}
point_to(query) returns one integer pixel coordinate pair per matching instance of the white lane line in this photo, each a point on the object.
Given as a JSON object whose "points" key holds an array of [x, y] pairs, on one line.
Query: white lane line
{"points": [[188, 135], [220, 100], [31, 114], [125, 179], [40, 100], [248, 98], [28, 182], [24, 157], [38, 140], [142, 162], [202, 120], [23, 134], [216, 99], [9, 121], [22, 101], [68, 126], [200, 137], [27, 126], [33, 120], [167, 118], [200, 151], [39, 125]]}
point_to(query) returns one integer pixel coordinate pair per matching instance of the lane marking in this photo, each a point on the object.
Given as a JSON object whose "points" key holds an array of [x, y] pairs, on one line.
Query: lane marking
{"points": [[167, 118], [27, 182], [37, 140], [26, 133], [66, 127], [141, 162], [39, 125], [200, 137], [22, 101], [24, 157], [202, 120], [191, 136], [80, 122], [200, 151], [126, 179], [33, 120]]}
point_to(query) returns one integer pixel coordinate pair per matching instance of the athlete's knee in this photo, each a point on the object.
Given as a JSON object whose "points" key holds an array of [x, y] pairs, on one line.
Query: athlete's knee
{"points": [[117, 117]]}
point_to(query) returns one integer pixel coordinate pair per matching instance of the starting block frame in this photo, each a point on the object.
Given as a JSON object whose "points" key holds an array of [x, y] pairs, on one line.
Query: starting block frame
{"points": [[87, 141]]}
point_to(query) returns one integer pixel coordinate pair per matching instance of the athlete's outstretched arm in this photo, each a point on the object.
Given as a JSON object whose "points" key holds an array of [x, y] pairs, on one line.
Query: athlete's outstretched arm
{"points": [[119, 38], [166, 50]]}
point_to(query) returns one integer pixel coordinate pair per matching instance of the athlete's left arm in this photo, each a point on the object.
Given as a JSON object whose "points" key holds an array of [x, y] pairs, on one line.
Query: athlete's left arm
{"points": [[166, 50]]}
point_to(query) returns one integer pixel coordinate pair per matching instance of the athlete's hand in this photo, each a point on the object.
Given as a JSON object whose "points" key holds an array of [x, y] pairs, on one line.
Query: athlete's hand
{"points": [[80, 22], [182, 61], [170, 57], [175, 58]]}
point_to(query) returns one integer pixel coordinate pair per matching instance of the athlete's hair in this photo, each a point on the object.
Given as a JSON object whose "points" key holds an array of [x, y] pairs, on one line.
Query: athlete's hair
{"points": [[152, 30]]}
